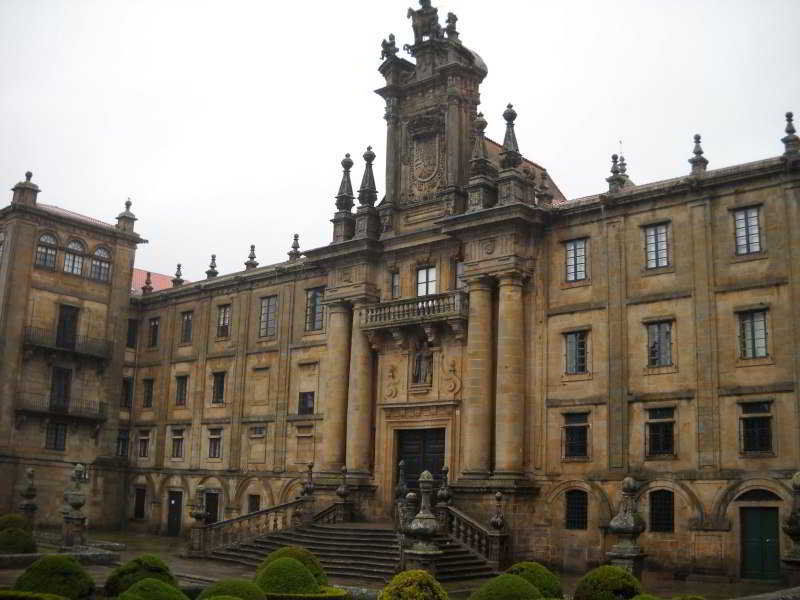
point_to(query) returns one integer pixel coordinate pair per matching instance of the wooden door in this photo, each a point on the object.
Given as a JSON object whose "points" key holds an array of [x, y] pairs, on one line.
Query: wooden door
{"points": [[421, 450], [60, 389], [174, 507], [760, 543], [212, 507]]}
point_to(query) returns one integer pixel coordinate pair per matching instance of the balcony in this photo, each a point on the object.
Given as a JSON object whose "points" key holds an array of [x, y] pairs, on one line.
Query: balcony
{"points": [[51, 339], [451, 308], [47, 404]]}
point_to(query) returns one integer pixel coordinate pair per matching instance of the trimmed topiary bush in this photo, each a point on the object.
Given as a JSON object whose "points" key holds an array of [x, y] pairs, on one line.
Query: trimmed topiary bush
{"points": [[646, 597], [238, 588], [57, 574], [16, 541], [413, 585], [306, 557], [14, 521], [506, 587], [152, 589], [607, 583], [146, 566], [685, 597], [15, 595], [286, 576], [542, 578]]}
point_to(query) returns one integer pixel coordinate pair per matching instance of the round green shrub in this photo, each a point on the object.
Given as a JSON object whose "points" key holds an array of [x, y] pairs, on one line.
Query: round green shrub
{"points": [[16, 595], [506, 587], [286, 576], [542, 578], [686, 597], [299, 553], [227, 597], [238, 588], [413, 585], [152, 589], [57, 574], [14, 521], [146, 566], [607, 583], [646, 597], [16, 541]]}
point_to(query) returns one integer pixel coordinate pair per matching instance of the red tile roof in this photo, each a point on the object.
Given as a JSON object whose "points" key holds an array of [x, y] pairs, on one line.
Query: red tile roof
{"points": [[157, 280], [57, 210]]}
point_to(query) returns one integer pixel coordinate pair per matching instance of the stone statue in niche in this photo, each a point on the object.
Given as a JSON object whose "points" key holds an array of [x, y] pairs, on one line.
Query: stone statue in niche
{"points": [[422, 373]]}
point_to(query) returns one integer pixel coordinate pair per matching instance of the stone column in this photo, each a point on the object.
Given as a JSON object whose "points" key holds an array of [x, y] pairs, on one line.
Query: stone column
{"points": [[334, 427], [359, 399], [509, 416], [478, 380]]}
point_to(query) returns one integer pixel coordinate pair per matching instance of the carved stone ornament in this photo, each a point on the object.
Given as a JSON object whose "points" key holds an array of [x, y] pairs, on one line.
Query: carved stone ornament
{"points": [[391, 382], [452, 381], [489, 246], [422, 371], [425, 22]]}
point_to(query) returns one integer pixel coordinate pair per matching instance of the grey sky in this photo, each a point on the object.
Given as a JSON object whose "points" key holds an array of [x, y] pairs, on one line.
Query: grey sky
{"points": [[225, 120]]}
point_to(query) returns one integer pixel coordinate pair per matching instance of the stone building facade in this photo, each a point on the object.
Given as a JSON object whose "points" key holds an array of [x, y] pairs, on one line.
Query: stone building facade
{"points": [[474, 318]]}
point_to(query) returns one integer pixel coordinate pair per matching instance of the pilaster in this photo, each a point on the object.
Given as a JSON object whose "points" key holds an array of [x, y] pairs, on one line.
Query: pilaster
{"points": [[338, 359], [359, 398]]}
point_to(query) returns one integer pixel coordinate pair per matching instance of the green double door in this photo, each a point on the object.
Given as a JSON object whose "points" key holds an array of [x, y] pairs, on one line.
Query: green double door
{"points": [[760, 547]]}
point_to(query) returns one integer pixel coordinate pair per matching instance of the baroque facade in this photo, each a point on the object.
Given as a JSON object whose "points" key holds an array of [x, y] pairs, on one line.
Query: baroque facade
{"points": [[474, 318]]}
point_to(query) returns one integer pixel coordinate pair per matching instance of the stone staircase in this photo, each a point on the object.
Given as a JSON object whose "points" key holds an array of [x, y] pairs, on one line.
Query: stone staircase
{"points": [[356, 550]]}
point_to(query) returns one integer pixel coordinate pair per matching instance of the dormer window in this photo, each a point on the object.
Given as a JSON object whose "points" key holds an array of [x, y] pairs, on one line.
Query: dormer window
{"points": [[73, 258], [101, 265], [46, 251]]}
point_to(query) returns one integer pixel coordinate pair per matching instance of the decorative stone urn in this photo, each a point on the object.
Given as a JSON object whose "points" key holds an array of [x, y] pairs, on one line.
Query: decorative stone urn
{"points": [[344, 506], [197, 510], [28, 505], [628, 524], [74, 530], [791, 527], [423, 553]]}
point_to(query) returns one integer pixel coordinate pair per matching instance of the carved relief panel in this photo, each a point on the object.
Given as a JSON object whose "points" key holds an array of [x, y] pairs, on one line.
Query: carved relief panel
{"points": [[424, 155]]}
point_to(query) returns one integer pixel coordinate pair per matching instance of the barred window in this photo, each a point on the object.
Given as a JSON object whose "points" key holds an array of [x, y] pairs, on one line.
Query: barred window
{"points": [[660, 432], [147, 393], [152, 332], [181, 387], [218, 389], [127, 393], [659, 344], [46, 251], [426, 281], [186, 326], [215, 443], [177, 443], [576, 435], [123, 441], [314, 308], [56, 436], [305, 405], [748, 230], [576, 510], [73, 258], [575, 359], [756, 428], [656, 245], [576, 259], [101, 265], [662, 511], [224, 321], [268, 321], [144, 444], [753, 334]]}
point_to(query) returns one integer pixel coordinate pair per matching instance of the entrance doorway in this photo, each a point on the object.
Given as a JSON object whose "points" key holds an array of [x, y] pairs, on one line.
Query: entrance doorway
{"points": [[760, 545], [212, 507], [174, 506], [421, 450]]}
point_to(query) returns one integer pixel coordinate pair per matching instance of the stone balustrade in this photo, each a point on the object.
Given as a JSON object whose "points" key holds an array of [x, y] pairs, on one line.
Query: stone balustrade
{"points": [[420, 309], [492, 545]]}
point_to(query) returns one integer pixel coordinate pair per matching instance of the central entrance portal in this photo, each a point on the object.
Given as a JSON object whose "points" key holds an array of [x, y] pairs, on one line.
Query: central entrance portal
{"points": [[421, 450]]}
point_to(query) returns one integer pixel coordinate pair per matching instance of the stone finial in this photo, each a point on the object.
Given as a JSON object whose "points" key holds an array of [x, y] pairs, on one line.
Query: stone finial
{"points": [[498, 521], [344, 199], [368, 193], [424, 525], [147, 288], [308, 486], [126, 218], [479, 150], [698, 161], [25, 192], [178, 279], [251, 262], [627, 523], [510, 157], [617, 179], [294, 253], [791, 142], [401, 489], [389, 48], [28, 176], [444, 495], [28, 505], [212, 267], [343, 491]]}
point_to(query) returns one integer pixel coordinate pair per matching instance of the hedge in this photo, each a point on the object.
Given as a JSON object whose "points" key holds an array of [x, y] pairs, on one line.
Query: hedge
{"points": [[542, 578], [14, 521], [287, 576], [238, 588], [607, 583], [57, 574], [17, 595], [413, 585], [506, 587], [152, 589], [16, 541], [146, 566]]}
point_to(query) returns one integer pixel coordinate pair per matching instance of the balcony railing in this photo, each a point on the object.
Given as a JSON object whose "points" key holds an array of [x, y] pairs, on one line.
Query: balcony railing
{"points": [[85, 408], [421, 309], [80, 344]]}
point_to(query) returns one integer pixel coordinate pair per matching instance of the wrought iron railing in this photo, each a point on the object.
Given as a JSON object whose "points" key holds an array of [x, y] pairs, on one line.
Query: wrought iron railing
{"points": [[60, 405], [82, 344], [435, 307]]}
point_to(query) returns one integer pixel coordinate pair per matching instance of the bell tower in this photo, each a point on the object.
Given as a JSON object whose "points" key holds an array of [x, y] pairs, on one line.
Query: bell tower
{"points": [[431, 105]]}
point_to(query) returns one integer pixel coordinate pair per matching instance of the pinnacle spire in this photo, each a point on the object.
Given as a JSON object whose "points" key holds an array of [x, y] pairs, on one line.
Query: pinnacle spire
{"points": [[148, 284], [251, 263], [294, 253], [177, 281], [617, 179], [510, 155], [367, 193], [791, 142], [344, 199], [212, 267], [698, 161]]}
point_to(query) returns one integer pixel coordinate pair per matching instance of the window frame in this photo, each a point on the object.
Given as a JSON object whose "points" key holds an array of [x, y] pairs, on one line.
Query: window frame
{"points": [[750, 415], [218, 387], [132, 336], [576, 264], [460, 278], [749, 245], [148, 392], [181, 389], [581, 336], [657, 247], [661, 522], [302, 403], [215, 443], [315, 309], [74, 258], [656, 344], [579, 522], [177, 443], [427, 284], [46, 255], [187, 327], [654, 421], [126, 395], [749, 346], [224, 318], [268, 317], [55, 437], [580, 425], [100, 265], [394, 285], [143, 444], [123, 449], [153, 327]]}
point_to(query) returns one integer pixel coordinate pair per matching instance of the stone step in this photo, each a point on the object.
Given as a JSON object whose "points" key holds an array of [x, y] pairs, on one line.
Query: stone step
{"points": [[276, 543], [303, 536]]}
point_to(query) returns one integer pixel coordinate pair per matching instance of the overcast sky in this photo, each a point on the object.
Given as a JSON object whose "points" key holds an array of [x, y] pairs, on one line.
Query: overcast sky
{"points": [[225, 120]]}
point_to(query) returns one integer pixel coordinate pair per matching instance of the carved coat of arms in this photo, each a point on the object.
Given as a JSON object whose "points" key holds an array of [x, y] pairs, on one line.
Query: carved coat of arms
{"points": [[426, 158]]}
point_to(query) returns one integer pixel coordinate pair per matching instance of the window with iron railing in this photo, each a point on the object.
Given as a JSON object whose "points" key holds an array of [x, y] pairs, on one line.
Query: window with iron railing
{"points": [[662, 511], [576, 509]]}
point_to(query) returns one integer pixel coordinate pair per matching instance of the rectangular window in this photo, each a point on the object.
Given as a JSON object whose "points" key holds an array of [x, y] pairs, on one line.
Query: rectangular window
{"points": [[224, 321], [394, 282], [753, 334], [575, 362], [656, 246], [426, 281], [314, 308], [218, 390], [133, 333], [123, 442], [46, 256], [258, 431], [659, 344], [253, 503], [576, 259], [56, 436], [186, 327], [73, 263], [177, 443], [756, 428], [268, 320], [148, 385], [181, 387], [662, 511], [576, 511], [152, 332], [660, 432], [100, 270], [144, 444], [748, 230], [140, 495], [461, 282], [215, 443], [576, 435], [305, 405], [127, 392]]}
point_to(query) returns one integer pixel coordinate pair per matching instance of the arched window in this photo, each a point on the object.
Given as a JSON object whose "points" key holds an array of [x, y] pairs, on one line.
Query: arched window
{"points": [[73, 258], [576, 513], [662, 511], [46, 251], [101, 265]]}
